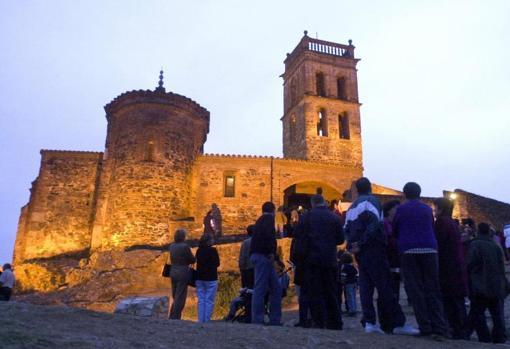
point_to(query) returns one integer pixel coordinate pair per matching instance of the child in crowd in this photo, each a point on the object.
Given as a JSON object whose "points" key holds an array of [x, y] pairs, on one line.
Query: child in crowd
{"points": [[349, 281]]}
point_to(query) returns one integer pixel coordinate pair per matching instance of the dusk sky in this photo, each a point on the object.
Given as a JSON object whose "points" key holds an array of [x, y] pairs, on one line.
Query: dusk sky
{"points": [[434, 80]]}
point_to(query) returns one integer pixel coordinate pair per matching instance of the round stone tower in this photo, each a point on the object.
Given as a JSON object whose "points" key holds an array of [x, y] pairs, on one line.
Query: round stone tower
{"points": [[153, 138]]}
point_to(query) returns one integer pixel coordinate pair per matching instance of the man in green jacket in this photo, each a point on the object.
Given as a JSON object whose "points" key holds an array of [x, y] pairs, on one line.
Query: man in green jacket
{"points": [[487, 283]]}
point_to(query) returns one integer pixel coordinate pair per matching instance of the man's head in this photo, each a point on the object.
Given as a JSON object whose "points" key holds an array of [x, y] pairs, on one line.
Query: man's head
{"points": [[180, 235], [268, 207], [7, 266], [484, 229], [317, 200], [363, 186], [250, 230], [412, 190]]}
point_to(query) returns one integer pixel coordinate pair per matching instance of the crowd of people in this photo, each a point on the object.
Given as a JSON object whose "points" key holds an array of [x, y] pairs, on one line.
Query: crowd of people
{"points": [[445, 265]]}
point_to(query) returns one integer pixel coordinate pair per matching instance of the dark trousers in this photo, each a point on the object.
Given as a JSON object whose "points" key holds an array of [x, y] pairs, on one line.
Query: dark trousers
{"points": [[179, 295], [374, 273], [247, 278], [395, 284], [455, 312], [304, 307], [321, 286], [5, 293], [421, 281], [495, 307]]}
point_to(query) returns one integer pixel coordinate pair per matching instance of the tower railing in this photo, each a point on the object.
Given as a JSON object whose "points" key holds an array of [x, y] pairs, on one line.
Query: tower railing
{"points": [[323, 47], [331, 48]]}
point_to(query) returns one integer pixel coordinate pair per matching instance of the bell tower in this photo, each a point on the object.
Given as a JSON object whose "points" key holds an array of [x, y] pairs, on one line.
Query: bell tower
{"points": [[321, 120]]}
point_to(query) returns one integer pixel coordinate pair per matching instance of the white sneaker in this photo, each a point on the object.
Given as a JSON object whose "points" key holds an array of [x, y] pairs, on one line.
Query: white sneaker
{"points": [[406, 330], [373, 328]]}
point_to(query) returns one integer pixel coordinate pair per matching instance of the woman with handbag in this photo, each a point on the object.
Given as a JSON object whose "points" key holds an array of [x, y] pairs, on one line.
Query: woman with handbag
{"points": [[208, 262], [181, 258]]}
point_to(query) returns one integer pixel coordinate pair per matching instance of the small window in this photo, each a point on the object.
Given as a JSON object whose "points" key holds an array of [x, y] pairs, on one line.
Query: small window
{"points": [[322, 124], [319, 84], [340, 86], [230, 186], [150, 152], [343, 126], [293, 92], [292, 128]]}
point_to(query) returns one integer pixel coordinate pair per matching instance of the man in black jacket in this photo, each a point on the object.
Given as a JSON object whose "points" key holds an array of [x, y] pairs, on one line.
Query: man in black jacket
{"points": [[487, 285], [319, 231], [262, 256]]}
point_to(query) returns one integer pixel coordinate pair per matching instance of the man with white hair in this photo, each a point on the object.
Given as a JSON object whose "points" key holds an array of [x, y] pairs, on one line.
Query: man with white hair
{"points": [[7, 281]]}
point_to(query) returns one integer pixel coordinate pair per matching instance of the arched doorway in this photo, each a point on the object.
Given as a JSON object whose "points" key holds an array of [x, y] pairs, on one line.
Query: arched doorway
{"points": [[299, 194]]}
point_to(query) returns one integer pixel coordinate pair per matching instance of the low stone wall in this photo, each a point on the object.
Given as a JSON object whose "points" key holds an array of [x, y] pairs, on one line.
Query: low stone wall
{"points": [[106, 277]]}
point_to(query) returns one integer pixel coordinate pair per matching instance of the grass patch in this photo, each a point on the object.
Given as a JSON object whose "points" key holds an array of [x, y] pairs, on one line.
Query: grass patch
{"points": [[229, 284], [228, 288]]}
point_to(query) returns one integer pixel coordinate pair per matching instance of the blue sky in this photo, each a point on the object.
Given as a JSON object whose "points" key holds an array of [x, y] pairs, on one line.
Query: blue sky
{"points": [[434, 81]]}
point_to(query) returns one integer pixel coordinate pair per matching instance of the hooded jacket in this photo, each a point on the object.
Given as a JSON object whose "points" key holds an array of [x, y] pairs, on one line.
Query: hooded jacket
{"points": [[364, 223]]}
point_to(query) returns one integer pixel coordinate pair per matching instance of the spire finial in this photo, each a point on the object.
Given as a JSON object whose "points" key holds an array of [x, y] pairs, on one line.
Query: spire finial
{"points": [[160, 87]]}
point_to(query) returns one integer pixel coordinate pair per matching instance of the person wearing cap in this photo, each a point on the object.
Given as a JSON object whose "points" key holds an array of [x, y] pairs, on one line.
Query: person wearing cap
{"points": [[318, 233]]}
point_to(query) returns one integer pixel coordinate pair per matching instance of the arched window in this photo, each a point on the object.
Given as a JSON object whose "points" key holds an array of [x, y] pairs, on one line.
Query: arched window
{"points": [[340, 88], [319, 85], [343, 126], [322, 124]]}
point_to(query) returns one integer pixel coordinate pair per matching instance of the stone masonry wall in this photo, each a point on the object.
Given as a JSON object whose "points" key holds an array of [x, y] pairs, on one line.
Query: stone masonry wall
{"points": [[258, 179], [302, 104], [57, 219], [481, 209], [152, 141]]}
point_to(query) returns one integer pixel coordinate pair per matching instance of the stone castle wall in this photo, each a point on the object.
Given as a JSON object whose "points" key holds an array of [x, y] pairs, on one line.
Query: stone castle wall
{"points": [[258, 179], [481, 209], [57, 220], [152, 141]]}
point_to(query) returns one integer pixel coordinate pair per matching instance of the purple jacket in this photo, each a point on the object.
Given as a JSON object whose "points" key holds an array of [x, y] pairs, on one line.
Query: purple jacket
{"points": [[413, 226], [452, 268]]}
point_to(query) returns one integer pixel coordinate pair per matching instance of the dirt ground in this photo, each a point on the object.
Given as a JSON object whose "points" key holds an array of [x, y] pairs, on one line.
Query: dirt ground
{"points": [[24, 325]]}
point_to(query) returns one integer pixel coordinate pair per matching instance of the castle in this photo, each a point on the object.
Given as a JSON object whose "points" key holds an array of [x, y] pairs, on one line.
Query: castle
{"points": [[94, 214]]}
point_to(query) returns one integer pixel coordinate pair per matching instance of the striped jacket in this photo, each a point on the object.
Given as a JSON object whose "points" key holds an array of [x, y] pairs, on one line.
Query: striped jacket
{"points": [[364, 222]]}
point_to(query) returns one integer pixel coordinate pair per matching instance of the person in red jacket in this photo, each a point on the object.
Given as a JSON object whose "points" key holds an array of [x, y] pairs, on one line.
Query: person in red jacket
{"points": [[452, 268]]}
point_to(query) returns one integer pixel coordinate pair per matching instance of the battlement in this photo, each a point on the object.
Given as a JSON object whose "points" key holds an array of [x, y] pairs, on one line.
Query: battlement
{"points": [[47, 153], [321, 47]]}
